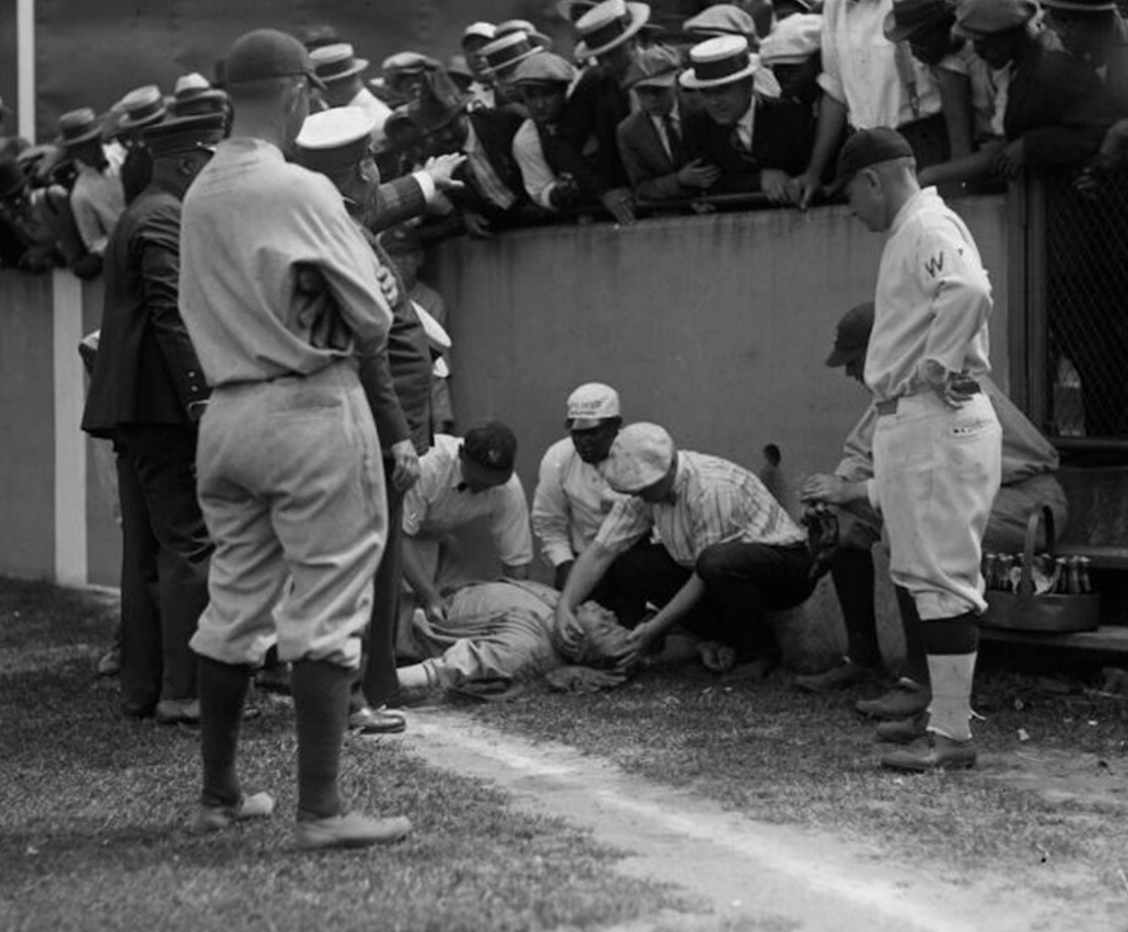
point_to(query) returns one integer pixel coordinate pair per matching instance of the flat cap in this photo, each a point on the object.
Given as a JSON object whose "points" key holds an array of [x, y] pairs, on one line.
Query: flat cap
{"points": [[545, 68], [793, 40], [641, 455], [976, 18]]}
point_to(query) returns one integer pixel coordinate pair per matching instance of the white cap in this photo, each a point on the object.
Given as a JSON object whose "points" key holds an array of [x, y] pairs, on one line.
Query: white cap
{"points": [[641, 455], [793, 40], [591, 403], [336, 127], [482, 30]]}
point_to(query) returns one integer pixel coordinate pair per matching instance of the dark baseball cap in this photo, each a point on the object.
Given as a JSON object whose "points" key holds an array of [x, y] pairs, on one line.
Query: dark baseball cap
{"points": [[489, 452], [267, 53], [869, 147], [853, 335]]}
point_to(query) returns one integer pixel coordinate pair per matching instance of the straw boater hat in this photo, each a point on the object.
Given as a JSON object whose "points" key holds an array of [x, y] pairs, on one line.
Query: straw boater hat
{"points": [[508, 51], [336, 62], [718, 61], [608, 25], [194, 94], [142, 106], [523, 25], [909, 17], [79, 126]]}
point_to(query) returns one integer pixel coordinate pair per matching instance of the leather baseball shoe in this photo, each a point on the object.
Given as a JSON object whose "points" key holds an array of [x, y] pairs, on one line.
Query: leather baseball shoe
{"points": [[178, 712], [351, 830], [904, 700], [217, 818], [843, 676], [381, 721], [902, 731], [932, 752]]}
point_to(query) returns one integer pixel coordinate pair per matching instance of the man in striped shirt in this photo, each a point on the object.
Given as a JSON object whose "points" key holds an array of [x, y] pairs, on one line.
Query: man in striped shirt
{"points": [[729, 552]]}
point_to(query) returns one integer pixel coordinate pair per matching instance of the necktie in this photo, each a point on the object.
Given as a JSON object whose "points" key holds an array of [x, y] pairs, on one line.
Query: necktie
{"points": [[673, 140]]}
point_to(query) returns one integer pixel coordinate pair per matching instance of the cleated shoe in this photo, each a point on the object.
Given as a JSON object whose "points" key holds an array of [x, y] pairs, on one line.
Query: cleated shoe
{"points": [[904, 700], [351, 830], [902, 731], [217, 818], [381, 721], [843, 676], [932, 752]]}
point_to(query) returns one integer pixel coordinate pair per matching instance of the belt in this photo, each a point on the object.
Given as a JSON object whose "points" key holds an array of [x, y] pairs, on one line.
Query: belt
{"points": [[966, 385]]}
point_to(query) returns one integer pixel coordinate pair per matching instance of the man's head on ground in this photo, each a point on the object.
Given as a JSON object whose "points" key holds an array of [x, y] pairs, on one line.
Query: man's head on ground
{"points": [[652, 76], [182, 146], [269, 77], [852, 340], [999, 29], [877, 170], [487, 456], [608, 32], [542, 82], [643, 461], [601, 642], [337, 143], [722, 71], [1085, 27], [926, 25], [593, 420]]}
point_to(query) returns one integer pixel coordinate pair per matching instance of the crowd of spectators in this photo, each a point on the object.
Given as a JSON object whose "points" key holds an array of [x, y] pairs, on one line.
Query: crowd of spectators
{"points": [[740, 104]]}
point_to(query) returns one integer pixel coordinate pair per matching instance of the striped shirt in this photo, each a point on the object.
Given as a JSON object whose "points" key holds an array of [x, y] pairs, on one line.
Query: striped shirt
{"points": [[713, 502]]}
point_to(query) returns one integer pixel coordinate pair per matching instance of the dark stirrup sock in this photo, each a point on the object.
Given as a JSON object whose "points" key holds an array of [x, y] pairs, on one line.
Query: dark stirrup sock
{"points": [[321, 702], [916, 657], [223, 690], [852, 572]]}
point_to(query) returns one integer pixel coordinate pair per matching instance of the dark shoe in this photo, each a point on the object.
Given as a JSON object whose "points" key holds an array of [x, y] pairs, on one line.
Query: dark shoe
{"points": [[932, 752], [109, 664], [351, 830], [217, 818], [904, 700], [381, 721], [178, 712], [902, 731], [843, 676]]}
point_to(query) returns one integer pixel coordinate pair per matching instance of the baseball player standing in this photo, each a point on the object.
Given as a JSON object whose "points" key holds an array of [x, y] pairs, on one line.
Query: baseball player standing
{"points": [[937, 446]]}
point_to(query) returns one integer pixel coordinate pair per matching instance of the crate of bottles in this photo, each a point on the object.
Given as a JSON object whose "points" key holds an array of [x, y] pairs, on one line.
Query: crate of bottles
{"points": [[1039, 592]]}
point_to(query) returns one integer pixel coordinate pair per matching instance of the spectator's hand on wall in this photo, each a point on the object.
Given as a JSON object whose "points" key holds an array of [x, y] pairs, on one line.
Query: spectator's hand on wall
{"points": [[441, 168], [697, 174], [1009, 162], [804, 188], [776, 186], [620, 204], [476, 225], [406, 470]]}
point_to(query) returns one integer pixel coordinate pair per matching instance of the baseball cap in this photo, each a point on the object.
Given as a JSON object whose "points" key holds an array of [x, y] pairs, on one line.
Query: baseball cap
{"points": [[488, 453], [268, 53], [853, 335], [641, 455], [590, 404], [869, 147]]}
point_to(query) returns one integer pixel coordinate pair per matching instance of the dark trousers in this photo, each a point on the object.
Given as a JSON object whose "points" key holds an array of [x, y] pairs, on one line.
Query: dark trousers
{"points": [[162, 528], [742, 583], [378, 680]]}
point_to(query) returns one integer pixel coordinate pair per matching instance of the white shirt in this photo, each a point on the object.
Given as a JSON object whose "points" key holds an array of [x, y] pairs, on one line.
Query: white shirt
{"points": [[529, 154], [435, 504], [97, 200], [932, 302], [860, 67], [988, 89], [570, 503], [371, 104]]}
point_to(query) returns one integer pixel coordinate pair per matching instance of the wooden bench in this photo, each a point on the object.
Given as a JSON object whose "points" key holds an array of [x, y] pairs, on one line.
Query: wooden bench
{"points": [[1097, 529]]}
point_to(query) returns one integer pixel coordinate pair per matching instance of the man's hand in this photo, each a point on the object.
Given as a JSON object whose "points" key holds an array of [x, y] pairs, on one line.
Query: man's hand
{"points": [[804, 188], [388, 286], [718, 657], [560, 577], [776, 185], [406, 471], [955, 389], [822, 487], [620, 204], [565, 192], [435, 608], [697, 174], [568, 626], [639, 642], [441, 168], [1010, 161], [476, 225]]}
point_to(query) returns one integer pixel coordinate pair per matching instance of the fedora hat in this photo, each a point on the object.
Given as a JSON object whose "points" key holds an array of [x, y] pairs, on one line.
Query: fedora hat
{"points": [[439, 102], [194, 94], [508, 51], [523, 25], [718, 61], [608, 25], [907, 18], [79, 126], [142, 106], [336, 62]]}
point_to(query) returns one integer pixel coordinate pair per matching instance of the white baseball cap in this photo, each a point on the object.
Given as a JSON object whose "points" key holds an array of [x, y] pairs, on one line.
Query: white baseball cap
{"points": [[590, 404]]}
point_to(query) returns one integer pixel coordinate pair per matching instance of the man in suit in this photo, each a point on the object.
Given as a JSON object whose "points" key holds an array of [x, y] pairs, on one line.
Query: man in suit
{"points": [[651, 140], [755, 142], [147, 394]]}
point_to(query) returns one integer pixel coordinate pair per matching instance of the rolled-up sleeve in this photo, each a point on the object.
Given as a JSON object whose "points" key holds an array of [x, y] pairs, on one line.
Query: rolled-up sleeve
{"points": [[627, 523]]}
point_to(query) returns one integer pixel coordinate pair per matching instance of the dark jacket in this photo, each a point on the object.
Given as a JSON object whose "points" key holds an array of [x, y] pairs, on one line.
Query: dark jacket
{"points": [[780, 139], [595, 108], [147, 371], [651, 169]]}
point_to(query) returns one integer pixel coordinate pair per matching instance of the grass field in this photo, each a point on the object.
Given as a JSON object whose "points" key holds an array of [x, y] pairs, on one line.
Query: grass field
{"points": [[93, 811]]}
